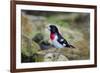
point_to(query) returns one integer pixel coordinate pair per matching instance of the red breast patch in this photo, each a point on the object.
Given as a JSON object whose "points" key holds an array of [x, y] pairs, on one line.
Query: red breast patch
{"points": [[52, 36]]}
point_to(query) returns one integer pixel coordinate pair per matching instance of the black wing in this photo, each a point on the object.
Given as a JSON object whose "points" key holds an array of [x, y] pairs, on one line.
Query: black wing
{"points": [[62, 41]]}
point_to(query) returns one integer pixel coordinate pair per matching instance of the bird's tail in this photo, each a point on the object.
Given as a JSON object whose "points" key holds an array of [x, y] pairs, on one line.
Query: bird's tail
{"points": [[72, 46]]}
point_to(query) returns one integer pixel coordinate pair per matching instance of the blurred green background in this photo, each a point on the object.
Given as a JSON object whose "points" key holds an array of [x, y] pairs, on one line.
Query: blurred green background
{"points": [[36, 45]]}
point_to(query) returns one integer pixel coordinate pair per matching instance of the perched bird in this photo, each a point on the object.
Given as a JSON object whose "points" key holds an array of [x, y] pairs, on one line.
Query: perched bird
{"points": [[57, 39]]}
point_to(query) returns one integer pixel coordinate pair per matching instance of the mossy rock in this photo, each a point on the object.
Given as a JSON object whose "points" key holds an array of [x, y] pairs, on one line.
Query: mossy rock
{"points": [[34, 47], [54, 57], [69, 53]]}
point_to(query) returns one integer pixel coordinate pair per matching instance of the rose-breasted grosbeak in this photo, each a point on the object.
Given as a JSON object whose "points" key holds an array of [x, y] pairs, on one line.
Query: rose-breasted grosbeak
{"points": [[57, 40]]}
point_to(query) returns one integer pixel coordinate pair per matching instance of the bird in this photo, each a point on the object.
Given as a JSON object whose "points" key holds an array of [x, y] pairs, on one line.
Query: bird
{"points": [[58, 41]]}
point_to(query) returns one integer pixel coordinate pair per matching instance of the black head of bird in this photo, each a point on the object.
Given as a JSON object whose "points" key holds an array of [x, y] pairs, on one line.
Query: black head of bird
{"points": [[53, 29]]}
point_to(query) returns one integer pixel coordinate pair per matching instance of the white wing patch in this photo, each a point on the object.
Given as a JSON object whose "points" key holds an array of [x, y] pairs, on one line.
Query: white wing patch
{"points": [[61, 40], [64, 44]]}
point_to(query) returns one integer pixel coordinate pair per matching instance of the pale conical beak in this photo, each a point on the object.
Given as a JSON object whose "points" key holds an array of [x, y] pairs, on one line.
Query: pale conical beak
{"points": [[48, 27]]}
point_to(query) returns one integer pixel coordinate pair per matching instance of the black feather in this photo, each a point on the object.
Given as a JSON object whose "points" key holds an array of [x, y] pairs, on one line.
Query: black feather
{"points": [[55, 30], [64, 41]]}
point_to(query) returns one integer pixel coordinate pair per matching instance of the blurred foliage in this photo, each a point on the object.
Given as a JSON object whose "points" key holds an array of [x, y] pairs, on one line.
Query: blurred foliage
{"points": [[36, 45]]}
